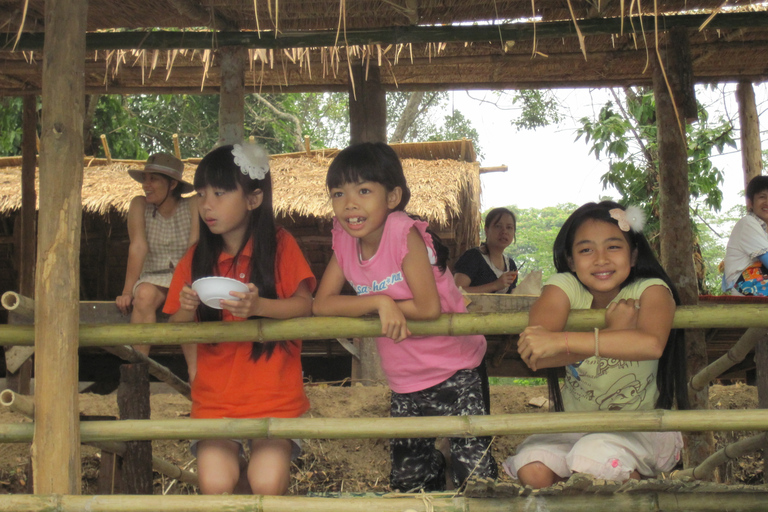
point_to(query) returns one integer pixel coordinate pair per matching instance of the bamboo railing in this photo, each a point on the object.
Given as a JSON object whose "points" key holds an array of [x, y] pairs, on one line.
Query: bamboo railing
{"points": [[24, 307], [26, 406], [707, 468], [102, 335], [384, 428], [445, 502], [735, 355]]}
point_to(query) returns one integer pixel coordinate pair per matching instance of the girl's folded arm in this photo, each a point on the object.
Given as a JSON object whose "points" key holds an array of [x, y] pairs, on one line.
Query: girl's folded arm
{"points": [[329, 301], [550, 312], [644, 343], [417, 271], [647, 341]]}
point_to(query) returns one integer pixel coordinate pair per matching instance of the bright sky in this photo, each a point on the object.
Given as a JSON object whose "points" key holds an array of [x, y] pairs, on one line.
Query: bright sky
{"points": [[549, 167]]}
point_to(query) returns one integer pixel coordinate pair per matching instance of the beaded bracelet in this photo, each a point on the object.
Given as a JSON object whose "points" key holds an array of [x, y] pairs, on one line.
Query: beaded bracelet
{"points": [[567, 349]]}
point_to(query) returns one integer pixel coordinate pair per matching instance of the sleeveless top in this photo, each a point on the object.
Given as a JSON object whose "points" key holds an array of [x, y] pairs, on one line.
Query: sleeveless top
{"points": [[167, 241], [418, 362]]}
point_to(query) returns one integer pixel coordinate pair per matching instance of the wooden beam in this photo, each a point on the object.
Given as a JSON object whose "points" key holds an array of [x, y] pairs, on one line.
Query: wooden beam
{"points": [[163, 40], [232, 95], [56, 446], [367, 104]]}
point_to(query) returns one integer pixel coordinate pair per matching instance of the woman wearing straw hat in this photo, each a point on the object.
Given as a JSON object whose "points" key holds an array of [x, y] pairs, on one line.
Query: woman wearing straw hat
{"points": [[162, 225]]}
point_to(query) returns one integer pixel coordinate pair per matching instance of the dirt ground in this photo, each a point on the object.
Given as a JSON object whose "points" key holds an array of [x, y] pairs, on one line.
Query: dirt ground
{"points": [[338, 465]]}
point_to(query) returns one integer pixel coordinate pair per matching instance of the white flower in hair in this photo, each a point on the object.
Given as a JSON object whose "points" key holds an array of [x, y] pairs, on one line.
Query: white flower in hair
{"points": [[252, 159], [631, 218]]}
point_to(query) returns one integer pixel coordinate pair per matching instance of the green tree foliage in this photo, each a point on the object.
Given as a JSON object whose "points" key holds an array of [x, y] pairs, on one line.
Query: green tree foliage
{"points": [[535, 237], [538, 108], [10, 126], [625, 132]]}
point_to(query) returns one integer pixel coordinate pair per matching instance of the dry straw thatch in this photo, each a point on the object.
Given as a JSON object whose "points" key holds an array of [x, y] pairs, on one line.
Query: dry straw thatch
{"points": [[441, 190]]}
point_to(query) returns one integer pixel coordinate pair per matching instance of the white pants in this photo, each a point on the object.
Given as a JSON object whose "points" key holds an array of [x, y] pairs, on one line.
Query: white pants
{"points": [[611, 456]]}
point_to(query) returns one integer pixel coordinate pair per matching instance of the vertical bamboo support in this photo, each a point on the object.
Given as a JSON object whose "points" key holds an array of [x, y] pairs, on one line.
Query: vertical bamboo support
{"points": [[307, 146], [751, 155], [232, 100], [56, 445], [176, 147], [107, 152]]}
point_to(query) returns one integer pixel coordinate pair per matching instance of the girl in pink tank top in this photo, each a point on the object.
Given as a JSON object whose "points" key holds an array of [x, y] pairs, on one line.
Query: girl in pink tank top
{"points": [[398, 271]]}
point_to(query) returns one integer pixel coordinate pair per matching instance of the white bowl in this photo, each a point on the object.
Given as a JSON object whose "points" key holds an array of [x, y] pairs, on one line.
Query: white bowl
{"points": [[213, 289]]}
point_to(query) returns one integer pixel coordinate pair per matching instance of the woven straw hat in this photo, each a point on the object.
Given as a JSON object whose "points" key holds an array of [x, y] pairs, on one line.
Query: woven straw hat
{"points": [[168, 165]]}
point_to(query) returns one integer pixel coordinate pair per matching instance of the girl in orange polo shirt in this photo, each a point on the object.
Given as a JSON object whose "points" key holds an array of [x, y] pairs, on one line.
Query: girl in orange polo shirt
{"points": [[239, 239]]}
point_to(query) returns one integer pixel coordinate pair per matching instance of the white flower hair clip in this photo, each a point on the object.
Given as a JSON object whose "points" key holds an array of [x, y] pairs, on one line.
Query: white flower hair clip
{"points": [[252, 159], [632, 218]]}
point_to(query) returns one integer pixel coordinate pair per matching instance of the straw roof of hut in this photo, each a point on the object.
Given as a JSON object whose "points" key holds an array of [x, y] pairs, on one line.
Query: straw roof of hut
{"points": [[439, 188]]}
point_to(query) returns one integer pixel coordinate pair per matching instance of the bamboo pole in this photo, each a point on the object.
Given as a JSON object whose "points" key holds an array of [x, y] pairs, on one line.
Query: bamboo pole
{"points": [[26, 406], [735, 355], [385, 428], [646, 502], [25, 308], [706, 469], [18, 304], [314, 328], [163, 40]]}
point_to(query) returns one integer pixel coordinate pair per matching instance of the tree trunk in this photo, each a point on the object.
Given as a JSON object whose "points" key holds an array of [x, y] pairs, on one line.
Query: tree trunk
{"points": [[232, 100], [751, 154], [409, 115], [367, 105], [676, 239], [56, 446]]}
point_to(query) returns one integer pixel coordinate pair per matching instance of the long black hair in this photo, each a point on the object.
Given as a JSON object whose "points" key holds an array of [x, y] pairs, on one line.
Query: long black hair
{"points": [[671, 376], [219, 170], [378, 163]]}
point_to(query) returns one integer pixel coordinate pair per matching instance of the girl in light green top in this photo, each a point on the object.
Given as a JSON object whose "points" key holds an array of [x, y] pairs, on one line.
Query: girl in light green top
{"points": [[636, 363]]}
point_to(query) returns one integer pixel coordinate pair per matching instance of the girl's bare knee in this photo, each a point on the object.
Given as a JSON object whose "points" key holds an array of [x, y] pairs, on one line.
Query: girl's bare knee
{"points": [[216, 483], [537, 475]]}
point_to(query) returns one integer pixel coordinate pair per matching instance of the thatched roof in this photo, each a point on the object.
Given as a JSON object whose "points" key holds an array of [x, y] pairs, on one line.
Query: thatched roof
{"points": [[307, 45], [438, 187]]}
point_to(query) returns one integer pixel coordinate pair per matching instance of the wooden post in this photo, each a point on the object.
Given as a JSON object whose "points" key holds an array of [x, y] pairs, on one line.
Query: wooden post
{"points": [[367, 105], [133, 402], [176, 147], [751, 154], [20, 380], [676, 239], [232, 94], [56, 445], [367, 369]]}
